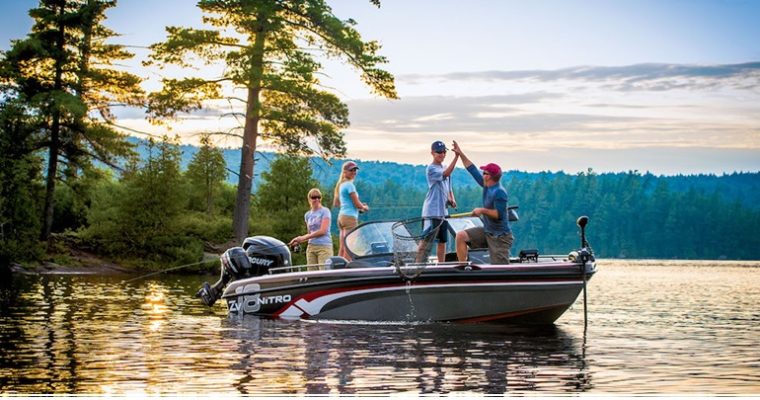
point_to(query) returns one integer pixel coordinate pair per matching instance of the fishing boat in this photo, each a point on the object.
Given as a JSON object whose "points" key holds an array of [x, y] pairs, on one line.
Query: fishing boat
{"points": [[388, 280]]}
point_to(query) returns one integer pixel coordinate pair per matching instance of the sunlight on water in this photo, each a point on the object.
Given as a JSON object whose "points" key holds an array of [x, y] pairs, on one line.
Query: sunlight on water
{"points": [[655, 327]]}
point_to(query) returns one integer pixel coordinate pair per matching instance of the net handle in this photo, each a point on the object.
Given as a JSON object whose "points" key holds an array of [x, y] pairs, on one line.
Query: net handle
{"points": [[424, 233], [469, 213], [461, 215]]}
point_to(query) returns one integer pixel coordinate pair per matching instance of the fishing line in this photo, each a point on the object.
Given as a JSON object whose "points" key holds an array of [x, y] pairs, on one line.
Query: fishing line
{"points": [[165, 270], [190, 265]]}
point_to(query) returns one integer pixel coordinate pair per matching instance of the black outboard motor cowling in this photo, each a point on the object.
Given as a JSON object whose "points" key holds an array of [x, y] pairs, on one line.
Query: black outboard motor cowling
{"points": [[256, 257], [266, 252], [235, 264]]}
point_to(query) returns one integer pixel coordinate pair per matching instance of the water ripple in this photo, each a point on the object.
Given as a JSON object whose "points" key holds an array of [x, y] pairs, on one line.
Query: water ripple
{"points": [[655, 327]]}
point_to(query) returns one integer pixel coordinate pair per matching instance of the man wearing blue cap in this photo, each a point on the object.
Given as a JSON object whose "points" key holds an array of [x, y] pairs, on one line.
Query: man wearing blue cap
{"points": [[439, 195], [495, 233]]}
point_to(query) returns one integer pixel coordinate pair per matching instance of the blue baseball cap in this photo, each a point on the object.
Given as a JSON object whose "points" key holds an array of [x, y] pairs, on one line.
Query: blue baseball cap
{"points": [[438, 146]]}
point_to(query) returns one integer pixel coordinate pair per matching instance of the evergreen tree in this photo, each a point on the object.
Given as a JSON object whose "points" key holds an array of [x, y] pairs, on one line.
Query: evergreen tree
{"points": [[140, 218], [63, 71], [283, 101], [281, 198], [153, 197], [20, 186], [206, 174]]}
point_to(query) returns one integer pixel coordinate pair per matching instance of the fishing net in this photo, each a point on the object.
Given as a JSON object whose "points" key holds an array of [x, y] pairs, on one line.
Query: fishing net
{"points": [[413, 239]]}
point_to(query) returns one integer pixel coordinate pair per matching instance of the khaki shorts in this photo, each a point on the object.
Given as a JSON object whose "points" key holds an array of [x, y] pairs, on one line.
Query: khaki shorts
{"points": [[347, 222], [498, 246], [318, 253]]}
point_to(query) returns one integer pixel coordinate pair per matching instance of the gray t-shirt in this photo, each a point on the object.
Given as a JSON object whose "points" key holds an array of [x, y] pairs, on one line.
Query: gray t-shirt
{"points": [[314, 222], [438, 192]]}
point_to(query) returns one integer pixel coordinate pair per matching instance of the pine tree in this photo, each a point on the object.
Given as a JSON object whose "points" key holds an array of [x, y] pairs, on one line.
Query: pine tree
{"points": [[282, 195], [19, 186], [63, 71], [265, 54], [206, 174]]}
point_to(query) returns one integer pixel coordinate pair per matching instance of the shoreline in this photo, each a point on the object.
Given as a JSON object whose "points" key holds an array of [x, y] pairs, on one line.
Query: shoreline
{"points": [[85, 263]]}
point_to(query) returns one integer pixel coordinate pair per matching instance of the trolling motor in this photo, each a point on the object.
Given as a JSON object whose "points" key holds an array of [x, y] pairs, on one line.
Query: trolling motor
{"points": [[255, 258], [585, 254]]}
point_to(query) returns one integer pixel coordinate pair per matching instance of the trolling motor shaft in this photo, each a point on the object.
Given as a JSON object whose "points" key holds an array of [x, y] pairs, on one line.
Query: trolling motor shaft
{"points": [[585, 255]]}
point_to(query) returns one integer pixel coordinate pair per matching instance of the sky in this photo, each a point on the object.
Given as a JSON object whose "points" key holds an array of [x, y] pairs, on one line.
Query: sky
{"points": [[666, 86]]}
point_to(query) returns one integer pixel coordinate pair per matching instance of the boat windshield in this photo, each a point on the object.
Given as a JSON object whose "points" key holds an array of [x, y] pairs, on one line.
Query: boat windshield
{"points": [[376, 237]]}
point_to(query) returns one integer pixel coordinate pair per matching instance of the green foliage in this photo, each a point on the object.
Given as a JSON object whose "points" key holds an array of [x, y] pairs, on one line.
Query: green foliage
{"points": [[64, 74], [206, 174], [208, 230], [281, 198], [20, 187], [140, 218], [261, 45], [72, 200], [631, 215]]}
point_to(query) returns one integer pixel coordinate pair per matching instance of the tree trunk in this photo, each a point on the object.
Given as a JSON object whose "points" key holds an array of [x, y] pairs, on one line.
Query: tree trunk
{"points": [[55, 132], [250, 135], [52, 171]]}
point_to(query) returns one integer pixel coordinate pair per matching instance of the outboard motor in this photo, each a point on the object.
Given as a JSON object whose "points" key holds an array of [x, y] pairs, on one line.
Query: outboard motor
{"points": [[266, 252], [256, 257], [235, 263]]}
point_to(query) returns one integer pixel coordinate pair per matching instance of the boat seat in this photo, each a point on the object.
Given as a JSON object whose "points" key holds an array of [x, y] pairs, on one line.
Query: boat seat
{"points": [[336, 262]]}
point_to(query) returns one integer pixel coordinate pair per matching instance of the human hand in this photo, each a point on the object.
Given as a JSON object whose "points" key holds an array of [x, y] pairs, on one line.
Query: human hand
{"points": [[453, 203], [477, 212], [295, 241], [455, 148]]}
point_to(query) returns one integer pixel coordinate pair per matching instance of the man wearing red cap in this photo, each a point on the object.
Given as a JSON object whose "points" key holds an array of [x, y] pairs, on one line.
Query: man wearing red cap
{"points": [[495, 233]]}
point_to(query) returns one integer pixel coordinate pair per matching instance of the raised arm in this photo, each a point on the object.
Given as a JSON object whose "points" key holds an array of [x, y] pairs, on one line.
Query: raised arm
{"points": [[447, 172], [474, 172], [458, 151]]}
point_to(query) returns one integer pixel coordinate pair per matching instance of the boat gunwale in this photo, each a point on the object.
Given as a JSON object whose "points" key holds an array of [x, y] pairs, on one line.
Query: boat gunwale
{"points": [[384, 273]]}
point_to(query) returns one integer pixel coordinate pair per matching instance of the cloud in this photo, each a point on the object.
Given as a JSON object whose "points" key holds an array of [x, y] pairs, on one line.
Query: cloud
{"points": [[471, 114], [649, 76]]}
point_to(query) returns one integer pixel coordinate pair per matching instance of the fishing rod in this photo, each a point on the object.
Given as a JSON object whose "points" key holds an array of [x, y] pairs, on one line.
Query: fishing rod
{"points": [[166, 270], [296, 249]]}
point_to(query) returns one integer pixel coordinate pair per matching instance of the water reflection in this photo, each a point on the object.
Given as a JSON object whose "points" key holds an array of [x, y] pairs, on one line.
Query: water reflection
{"points": [[653, 329], [324, 358]]}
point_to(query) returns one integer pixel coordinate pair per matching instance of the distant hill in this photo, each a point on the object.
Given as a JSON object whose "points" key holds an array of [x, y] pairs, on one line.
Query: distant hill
{"points": [[738, 186]]}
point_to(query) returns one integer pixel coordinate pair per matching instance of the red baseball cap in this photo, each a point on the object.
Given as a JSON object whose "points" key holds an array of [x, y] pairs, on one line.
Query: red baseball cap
{"points": [[349, 165], [493, 169]]}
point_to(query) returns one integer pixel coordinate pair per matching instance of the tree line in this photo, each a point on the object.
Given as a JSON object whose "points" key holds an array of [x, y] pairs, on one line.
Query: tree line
{"points": [[61, 85], [631, 217], [67, 169], [157, 213]]}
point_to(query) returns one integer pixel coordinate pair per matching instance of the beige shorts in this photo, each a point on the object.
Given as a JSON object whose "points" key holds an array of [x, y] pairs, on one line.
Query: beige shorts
{"points": [[498, 246], [347, 222], [318, 253]]}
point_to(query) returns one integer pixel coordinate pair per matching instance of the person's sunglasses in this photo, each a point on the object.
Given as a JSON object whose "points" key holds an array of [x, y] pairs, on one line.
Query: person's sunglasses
{"points": [[354, 169], [316, 197], [441, 152], [486, 173]]}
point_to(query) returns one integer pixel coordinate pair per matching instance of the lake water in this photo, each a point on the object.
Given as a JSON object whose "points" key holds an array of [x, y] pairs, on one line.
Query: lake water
{"points": [[655, 327]]}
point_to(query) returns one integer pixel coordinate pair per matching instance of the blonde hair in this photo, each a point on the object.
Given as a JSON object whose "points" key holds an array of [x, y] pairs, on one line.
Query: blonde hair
{"points": [[336, 194], [312, 192]]}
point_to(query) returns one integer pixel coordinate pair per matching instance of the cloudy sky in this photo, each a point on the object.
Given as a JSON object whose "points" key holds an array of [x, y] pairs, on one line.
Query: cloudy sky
{"points": [[667, 86]]}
